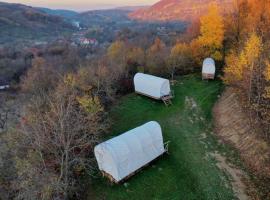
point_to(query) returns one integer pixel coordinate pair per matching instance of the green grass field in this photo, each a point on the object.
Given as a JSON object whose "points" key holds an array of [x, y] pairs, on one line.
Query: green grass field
{"points": [[189, 171]]}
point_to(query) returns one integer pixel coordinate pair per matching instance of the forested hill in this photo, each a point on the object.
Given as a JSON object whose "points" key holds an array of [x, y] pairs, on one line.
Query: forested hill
{"points": [[111, 16], [171, 10], [25, 22], [59, 12]]}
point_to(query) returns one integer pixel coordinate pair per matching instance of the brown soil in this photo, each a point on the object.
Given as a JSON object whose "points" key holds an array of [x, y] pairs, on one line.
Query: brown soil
{"points": [[237, 175], [233, 126]]}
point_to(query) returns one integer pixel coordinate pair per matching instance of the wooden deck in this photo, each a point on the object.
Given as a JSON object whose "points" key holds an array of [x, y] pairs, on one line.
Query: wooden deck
{"points": [[208, 76], [113, 181], [166, 99]]}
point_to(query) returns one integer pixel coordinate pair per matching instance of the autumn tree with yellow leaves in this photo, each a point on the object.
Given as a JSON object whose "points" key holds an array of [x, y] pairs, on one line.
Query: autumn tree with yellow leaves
{"points": [[117, 56], [247, 57], [156, 57], [210, 41], [125, 57], [179, 59], [240, 69]]}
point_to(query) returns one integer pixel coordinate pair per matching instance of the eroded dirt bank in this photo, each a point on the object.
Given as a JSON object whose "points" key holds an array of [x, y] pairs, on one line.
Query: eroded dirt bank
{"points": [[234, 127]]}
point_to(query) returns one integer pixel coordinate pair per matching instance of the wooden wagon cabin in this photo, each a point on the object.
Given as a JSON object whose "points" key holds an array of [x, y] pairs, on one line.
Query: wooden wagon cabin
{"points": [[153, 87], [208, 69], [122, 156]]}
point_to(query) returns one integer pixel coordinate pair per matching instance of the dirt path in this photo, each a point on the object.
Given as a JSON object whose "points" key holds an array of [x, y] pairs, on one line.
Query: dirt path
{"points": [[238, 176]]}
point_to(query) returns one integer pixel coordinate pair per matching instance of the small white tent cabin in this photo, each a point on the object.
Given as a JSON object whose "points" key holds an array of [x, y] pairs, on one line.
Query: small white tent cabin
{"points": [[152, 86], [208, 69], [123, 155]]}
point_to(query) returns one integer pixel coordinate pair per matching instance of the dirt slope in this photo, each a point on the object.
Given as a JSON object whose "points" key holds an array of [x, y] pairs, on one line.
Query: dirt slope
{"points": [[234, 127]]}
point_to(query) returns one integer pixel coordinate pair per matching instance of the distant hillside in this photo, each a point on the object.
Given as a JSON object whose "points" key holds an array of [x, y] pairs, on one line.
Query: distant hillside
{"points": [[97, 17], [132, 8], [61, 13], [18, 22], [170, 10]]}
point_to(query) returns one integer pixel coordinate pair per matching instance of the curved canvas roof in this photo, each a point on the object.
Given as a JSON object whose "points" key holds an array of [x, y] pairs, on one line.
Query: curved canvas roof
{"points": [[126, 153], [209, 66], [152, 86]]}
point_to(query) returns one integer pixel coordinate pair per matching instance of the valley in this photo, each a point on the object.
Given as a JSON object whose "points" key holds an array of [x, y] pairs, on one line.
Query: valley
{"points": [[72, 81]]}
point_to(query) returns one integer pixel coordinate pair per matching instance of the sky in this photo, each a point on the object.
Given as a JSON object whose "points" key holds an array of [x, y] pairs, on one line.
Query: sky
{"points": [[82, 5]]}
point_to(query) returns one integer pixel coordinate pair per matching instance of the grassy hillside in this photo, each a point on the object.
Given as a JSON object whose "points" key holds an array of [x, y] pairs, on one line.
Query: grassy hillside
{"points": [[189, 171]]}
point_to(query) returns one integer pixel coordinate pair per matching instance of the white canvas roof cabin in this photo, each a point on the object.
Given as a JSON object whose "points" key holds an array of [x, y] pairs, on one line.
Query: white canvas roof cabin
{"points": [[208, 69], [153, 86], [120, 157], [4, 87]]}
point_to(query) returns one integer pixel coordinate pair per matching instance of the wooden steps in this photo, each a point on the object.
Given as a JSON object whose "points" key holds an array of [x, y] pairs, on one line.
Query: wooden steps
{"points": [[167, 100]]}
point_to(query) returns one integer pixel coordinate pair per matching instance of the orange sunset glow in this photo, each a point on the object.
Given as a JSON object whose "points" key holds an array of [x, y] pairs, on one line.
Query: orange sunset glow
{"points": [[83, 4]]}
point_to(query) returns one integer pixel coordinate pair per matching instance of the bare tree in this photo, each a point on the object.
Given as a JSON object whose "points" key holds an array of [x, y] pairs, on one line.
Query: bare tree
{"points": [[3, 118], [58, 138], [4, 112]]}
